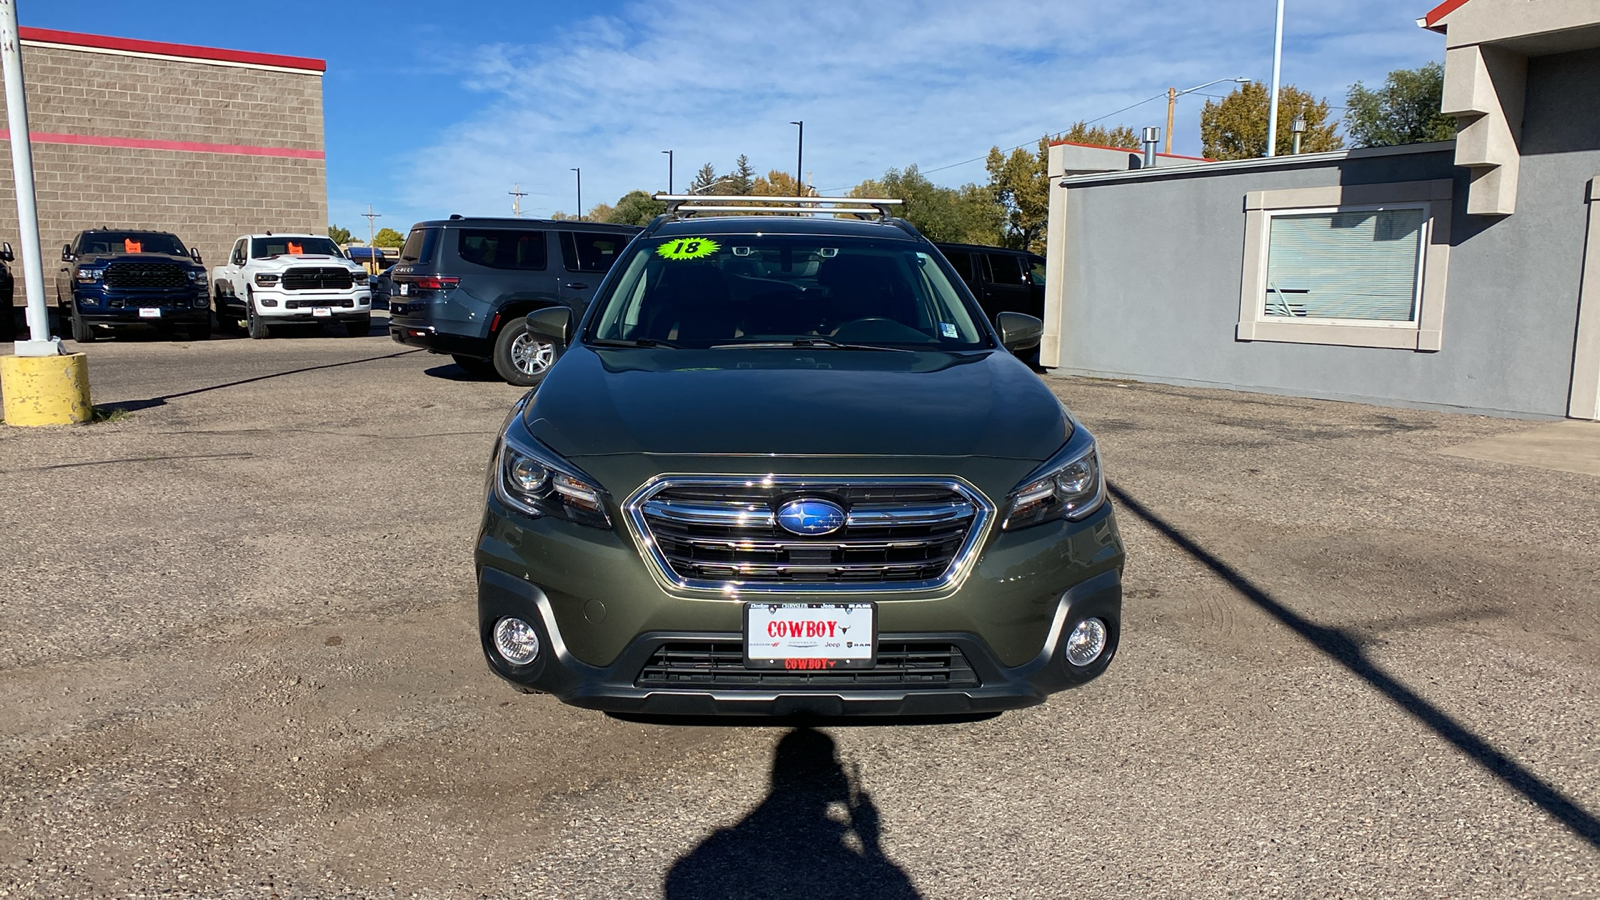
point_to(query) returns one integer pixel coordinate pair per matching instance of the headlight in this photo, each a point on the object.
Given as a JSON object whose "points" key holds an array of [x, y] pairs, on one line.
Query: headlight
{"points": [[266, 279], [1069, 486], [90, 276], [358, 277], [198, 277], [534, 481]]}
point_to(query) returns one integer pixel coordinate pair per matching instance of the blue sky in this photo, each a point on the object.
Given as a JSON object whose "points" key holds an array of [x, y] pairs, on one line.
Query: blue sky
{"points": [[431, 111]]}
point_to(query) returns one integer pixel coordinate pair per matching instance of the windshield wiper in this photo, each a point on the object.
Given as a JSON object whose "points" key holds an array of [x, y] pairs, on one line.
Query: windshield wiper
{"points": [[829, 343], [631, 342]]}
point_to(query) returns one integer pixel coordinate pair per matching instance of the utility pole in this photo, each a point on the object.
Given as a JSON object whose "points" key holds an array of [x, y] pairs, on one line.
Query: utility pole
{"points": [[669, 170], [580, 193], [517, 193], [799, 157], [1277, 65], [370, 216]]}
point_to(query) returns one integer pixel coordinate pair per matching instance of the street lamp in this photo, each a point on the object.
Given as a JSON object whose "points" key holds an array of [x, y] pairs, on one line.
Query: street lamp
{"points": [[1277, 66], [580, 193], [1172, 101], [1298, 126], [799, 158], [669, 170]]}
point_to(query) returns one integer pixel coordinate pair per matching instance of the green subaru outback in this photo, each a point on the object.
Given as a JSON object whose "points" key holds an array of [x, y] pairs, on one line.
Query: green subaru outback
{"points": [[784, 467]]}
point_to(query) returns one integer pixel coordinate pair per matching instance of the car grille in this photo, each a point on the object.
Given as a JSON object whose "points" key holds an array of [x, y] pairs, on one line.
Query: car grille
{"points": [[899, 534], [721, 664], [310, 304], [326, 278], [145, 275]]}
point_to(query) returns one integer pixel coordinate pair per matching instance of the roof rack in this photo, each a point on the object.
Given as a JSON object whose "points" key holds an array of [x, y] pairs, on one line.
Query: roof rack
{"points": [[682, 206]]}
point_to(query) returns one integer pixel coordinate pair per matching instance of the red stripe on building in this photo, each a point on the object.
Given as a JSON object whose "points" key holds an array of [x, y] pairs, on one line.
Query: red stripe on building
{"points": [[1442, 10], [91, 140], [190, 51]]}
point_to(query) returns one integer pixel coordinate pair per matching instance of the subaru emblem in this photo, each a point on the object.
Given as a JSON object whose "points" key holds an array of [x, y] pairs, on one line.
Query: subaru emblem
{"points": [[810, 518]]}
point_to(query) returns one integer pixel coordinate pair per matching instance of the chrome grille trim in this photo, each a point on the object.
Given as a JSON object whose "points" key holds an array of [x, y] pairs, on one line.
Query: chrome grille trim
{"points": [[751, 567]]}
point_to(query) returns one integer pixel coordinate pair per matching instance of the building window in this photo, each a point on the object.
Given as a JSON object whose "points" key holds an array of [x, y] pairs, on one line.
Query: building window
{"points": [[1322, 269]]}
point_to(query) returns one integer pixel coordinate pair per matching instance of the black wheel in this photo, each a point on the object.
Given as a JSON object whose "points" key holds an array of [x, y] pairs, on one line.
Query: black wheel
{"points": [[255, 325], [357, 327], [82, 331], [520, 357], [478, 368]]}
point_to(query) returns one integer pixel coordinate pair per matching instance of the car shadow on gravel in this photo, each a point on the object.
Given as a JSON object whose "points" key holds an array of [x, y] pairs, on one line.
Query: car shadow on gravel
{"points": [[815, 835], [1344, 648], [453, 372], [137, 405]]}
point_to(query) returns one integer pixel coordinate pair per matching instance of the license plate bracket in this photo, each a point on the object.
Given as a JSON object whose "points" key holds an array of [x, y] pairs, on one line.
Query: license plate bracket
{"points": [[817, 637], [321, 312], [149, 312]]}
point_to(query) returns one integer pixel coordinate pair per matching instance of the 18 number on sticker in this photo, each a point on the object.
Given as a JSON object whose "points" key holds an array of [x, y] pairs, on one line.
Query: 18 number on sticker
{"points": [[688, 248]]}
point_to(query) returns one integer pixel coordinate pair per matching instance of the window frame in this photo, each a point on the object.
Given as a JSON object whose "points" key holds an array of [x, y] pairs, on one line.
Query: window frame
{"points": [[1423, 334]]}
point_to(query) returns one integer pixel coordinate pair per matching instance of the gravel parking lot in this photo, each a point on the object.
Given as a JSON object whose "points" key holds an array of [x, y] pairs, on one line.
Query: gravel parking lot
{"points": [[239, 660]]}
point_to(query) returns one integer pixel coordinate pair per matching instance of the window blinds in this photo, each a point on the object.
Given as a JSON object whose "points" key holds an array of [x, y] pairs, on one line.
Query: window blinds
{"points": [[1355, 264]]}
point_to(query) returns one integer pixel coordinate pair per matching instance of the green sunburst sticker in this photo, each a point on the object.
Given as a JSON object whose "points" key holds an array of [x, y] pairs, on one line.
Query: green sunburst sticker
{"points": [[688, 248]]}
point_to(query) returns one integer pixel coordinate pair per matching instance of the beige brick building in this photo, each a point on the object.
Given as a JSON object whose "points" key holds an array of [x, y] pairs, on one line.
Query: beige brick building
{"points": [[205, 143]]}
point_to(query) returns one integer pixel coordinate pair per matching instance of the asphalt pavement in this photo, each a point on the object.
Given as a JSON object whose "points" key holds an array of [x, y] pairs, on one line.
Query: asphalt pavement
{"points": [[239, 660]]}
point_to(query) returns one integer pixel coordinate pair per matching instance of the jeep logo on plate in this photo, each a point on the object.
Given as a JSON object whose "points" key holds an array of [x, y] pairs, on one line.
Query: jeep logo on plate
{"points": [[811, 517]]}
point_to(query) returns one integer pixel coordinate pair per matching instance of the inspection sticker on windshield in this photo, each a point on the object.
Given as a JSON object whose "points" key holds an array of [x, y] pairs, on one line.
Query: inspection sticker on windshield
{"points": [[809, 636], [948, 330], [688, 248]]}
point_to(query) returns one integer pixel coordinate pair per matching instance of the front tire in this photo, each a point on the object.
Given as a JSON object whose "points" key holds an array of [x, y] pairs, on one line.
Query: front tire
{"points": [[82, 331], [520, 357], [256, 327]]}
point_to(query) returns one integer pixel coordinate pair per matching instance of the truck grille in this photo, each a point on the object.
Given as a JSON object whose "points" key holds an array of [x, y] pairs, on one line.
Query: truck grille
{"points": [[145, 275], [311, 304], [898, 535], [326, 278], [721, 664]]}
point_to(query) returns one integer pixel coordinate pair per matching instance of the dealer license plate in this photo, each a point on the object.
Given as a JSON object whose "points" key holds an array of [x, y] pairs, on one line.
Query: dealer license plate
{"points": [[810, 636], [321, 312], [149, 312], [404, 289]]}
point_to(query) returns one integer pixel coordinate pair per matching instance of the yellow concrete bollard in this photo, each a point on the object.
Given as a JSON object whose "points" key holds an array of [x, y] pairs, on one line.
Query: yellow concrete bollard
{"points": [[45, 390]]}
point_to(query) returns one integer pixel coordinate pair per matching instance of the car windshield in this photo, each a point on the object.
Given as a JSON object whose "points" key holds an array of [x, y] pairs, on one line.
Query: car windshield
{"points": [[130, 242], [780, 289], [261, 248]]}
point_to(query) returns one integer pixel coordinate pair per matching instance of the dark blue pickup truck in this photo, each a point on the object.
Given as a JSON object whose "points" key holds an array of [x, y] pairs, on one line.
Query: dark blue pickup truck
{"points": [[112, 278]]}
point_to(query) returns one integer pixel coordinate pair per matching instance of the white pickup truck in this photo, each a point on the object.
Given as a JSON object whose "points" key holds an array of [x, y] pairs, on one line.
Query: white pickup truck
{"points": [[273, 279]]}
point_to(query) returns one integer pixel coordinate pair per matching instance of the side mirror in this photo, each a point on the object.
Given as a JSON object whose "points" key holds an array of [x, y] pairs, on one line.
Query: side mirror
{"points": [[553, 323], [1018, 331], [5, 251], [66, 253], [194, 253]]}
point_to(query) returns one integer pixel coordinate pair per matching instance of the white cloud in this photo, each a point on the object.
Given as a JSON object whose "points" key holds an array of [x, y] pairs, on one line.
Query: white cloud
{"points": [[878, 85]]}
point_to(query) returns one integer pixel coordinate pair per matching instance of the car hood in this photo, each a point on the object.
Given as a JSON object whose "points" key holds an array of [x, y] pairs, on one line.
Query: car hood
{"points": [[289, 261], [795, 402], [106, 259]]}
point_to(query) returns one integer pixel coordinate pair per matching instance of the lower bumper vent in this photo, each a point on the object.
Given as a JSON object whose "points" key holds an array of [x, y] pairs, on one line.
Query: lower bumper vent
{"points": [[721, 664]]}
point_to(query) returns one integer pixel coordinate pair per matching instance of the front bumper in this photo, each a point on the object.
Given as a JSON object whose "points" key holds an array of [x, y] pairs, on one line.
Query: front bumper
{"points": [[125, 310], [301, 306]]}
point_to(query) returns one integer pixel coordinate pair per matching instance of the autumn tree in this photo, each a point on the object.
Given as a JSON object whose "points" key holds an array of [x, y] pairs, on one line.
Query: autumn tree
{"points": [[1236, 126], [635, 208], [1405, 110], [1100, 136], [965, 215], [779, 184], [600, 212], [1022, 189], [339, 235], [388, 237]]}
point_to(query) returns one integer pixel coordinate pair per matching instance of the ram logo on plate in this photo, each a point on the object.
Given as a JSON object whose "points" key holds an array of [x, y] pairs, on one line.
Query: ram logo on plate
{"points": [[810, 518]]}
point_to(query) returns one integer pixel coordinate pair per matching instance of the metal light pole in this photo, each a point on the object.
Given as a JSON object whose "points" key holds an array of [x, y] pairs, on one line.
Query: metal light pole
{"points": [[580, 193], [1277, 67], [1172, 101], [41, 343], [799, 158], [669, 170]]}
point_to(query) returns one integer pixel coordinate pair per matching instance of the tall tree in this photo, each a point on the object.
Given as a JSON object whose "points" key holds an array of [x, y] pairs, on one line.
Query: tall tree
{"points": [[1023, 191], [779, 184], [742, 180], [1236, 127], [388, 237], [339, 235], [600, 212], [1101, 136], [1404, 111], [703, 179], [967, 215], [636, 208]]}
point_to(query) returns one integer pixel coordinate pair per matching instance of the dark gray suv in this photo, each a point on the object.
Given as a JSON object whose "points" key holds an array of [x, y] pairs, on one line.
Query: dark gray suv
{"points": [[464, 285]]}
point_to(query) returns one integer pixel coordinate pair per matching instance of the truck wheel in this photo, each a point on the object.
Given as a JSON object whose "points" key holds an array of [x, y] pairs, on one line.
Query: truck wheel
{"points": [[519, 357], [477, 368], [357, 327], [82, 331], [258, 329]]}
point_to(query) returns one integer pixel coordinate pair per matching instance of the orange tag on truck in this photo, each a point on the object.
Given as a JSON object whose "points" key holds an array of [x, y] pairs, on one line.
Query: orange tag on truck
{"points": [[132, 246], [294, 249]]}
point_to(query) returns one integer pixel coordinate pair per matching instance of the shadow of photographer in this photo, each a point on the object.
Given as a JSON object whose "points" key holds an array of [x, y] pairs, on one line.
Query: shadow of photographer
{"points": [[815, 835]]}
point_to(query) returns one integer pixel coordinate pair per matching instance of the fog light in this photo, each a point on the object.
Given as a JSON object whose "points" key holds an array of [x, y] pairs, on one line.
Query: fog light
{"points": [[517, 642], [1086, 642]]}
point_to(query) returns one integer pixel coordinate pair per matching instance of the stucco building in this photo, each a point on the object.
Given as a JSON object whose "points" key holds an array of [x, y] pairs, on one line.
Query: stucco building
{"points": [[205, 143]]}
